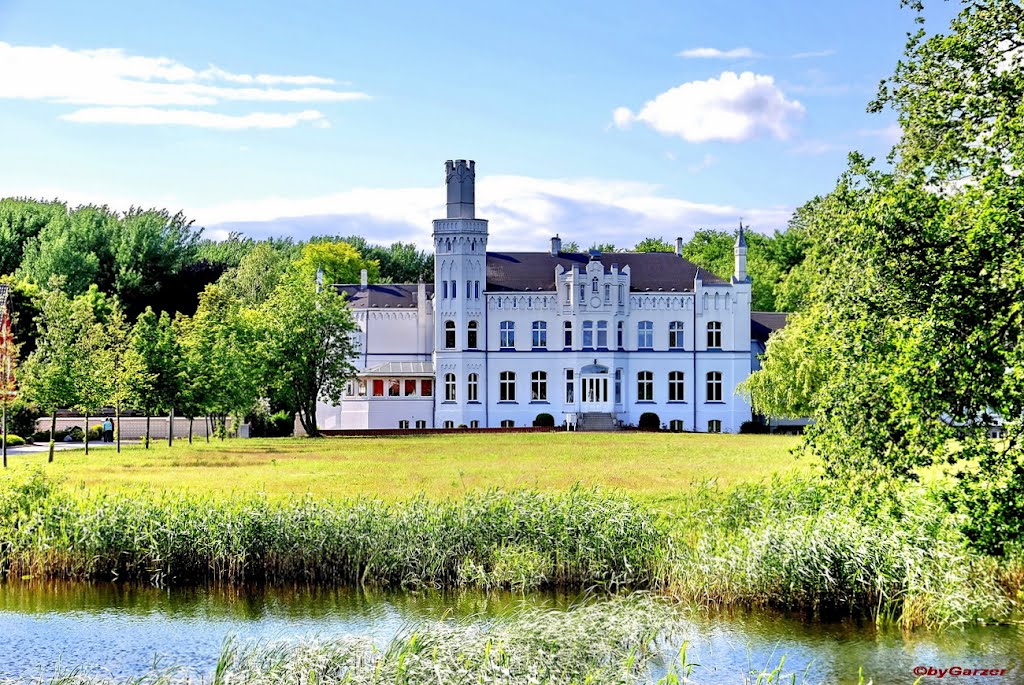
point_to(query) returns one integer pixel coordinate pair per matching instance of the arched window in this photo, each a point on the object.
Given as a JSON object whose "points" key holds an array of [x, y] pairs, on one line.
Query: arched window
{"points": [[449, 335], [567, 334], [471, 335], [602, 335], [453, 289], [588, 335], [676, 386], [539, 386], [645, 335], [507, 386], [622, 294], [472, 387], [675, 335], [714, 386], [445, 284], [476, 290], [714, 335], [449, 387], [507, 329], [645, 386], [607, 293], [594, 285]]}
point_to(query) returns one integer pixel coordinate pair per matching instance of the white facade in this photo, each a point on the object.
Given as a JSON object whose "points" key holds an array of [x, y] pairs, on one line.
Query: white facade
{"points": [[500, 338]]}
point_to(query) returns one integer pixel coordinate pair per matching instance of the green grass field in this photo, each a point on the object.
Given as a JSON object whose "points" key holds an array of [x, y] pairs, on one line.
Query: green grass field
{"points": [[657, 467]]}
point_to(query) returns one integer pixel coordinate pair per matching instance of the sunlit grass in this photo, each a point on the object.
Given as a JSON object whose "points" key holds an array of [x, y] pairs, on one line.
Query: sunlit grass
{"points": [[659, 467]]}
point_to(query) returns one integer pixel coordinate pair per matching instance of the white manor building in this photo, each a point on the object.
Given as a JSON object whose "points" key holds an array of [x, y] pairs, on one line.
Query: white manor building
{"points": [[501, 337]]}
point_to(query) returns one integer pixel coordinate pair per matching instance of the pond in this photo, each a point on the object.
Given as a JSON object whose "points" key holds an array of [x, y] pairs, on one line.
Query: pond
{"points": [[121, 630]]}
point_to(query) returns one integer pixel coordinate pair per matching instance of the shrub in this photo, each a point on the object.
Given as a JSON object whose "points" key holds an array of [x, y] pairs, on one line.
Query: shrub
{"points": [[14, 440], [21, 417], [753, 427], [277, 425], [96, 432], [649, 421], [546, 420]]}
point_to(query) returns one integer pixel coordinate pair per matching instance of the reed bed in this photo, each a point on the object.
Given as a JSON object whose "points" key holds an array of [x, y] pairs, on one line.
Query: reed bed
{"points": [[488, 539]]}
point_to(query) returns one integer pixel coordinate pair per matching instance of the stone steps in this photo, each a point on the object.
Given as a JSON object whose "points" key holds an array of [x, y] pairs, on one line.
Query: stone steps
{"points": [[594, 422]]}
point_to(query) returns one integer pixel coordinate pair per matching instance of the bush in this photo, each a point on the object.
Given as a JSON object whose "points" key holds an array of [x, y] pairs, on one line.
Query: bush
{"points": [[14, 441], [21, 418], [277, 425], [546, 420], [753, 427], [96, 432], [649, 421]]}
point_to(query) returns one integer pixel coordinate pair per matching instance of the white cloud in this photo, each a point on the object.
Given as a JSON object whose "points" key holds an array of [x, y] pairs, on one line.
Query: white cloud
{"points": [[523, 213], [812, 54], [704, 163], [152, 116], [715, 53], [730, 108], [112, 78]]}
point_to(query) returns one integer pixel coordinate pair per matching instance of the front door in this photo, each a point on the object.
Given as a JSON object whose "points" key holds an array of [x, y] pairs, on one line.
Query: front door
{"points": [[595, 393]]}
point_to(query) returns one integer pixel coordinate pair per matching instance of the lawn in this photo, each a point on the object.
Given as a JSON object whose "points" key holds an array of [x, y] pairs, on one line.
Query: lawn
{"points": [[656, 466]]}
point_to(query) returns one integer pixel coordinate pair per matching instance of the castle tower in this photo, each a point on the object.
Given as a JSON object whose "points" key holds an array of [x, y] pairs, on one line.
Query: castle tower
{"points": [[460, 276], [740, 256]]}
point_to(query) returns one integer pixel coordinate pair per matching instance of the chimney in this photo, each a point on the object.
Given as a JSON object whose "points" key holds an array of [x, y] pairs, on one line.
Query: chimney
{"points": [[679, 247], [364, 279], [556, 245], [460, 180]]}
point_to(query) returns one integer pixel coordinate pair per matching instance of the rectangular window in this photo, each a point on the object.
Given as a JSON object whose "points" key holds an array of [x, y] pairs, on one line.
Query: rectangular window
{"points": [[508, 423], [645, 335], [410, 387], [714, 426], [714, 386], [508, 334], [361, 387], [675, 335], [448, 424], [602, 335], [476, 290], [714, 335], [567, 335], [607, 293], [427, 388], [421, 424], [645, 386], [620, 335], [622, 294], [676, 386], [540, 334], [394, 388], [403, 425], [472, 387], [618, 386], [539, 386], [588, 335], [568, 293], [474, 424], [507, 387], [570, 387], [675, 425], [378, 387]]}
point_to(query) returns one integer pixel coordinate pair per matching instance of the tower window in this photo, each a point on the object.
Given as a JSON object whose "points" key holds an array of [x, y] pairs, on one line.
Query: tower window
{"points": [[594, 285], [714, 335], [449, 335], [620, 335]]}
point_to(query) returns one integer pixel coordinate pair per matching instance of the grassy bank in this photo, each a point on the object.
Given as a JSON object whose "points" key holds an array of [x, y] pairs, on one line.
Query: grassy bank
{"points": [[656, 466], [791, 543]]}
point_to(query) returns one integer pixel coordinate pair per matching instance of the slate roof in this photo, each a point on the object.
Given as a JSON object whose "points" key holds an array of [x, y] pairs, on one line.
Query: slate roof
{"points": [[393, 295], [763, 324], [649, 271]]}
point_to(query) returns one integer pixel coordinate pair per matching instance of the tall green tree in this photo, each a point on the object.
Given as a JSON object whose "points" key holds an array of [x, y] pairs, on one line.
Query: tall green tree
{"points": [[340, 262], [91, 386], [307, 347], [913, 326], [75, 247], [158, 349], [149, 248], [21, 220], [654, 245], [49, 374], [121, 366]]}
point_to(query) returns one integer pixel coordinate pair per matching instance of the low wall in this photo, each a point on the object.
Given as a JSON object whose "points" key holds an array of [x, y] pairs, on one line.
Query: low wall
{"points": [[132, 427], [374, 432]]}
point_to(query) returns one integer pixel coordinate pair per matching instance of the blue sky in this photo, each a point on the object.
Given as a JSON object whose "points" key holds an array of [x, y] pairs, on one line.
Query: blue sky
{"points": [[597, 120]]}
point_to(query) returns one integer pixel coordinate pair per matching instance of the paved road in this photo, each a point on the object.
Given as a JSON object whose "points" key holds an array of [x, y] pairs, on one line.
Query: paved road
{"points": [[65, 446]]}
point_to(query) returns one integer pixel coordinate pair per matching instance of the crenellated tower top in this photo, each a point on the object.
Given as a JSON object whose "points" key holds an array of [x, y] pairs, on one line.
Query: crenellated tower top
{"points": [[460, 179]]}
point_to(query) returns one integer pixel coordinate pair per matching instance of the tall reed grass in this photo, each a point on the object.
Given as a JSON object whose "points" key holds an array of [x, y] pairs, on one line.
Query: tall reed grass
{"points": [[491, 539]]}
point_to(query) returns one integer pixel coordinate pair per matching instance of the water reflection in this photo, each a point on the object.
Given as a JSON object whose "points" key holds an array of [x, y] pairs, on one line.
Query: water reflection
{"points": [[121, 629]]}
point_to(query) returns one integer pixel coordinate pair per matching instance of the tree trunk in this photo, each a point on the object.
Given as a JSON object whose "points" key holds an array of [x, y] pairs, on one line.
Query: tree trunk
{"points": [[190, 420], [117, 420], [170, 428], [309, 422], [86, 437], [147, 428], [209, 427], [53, 430]]}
